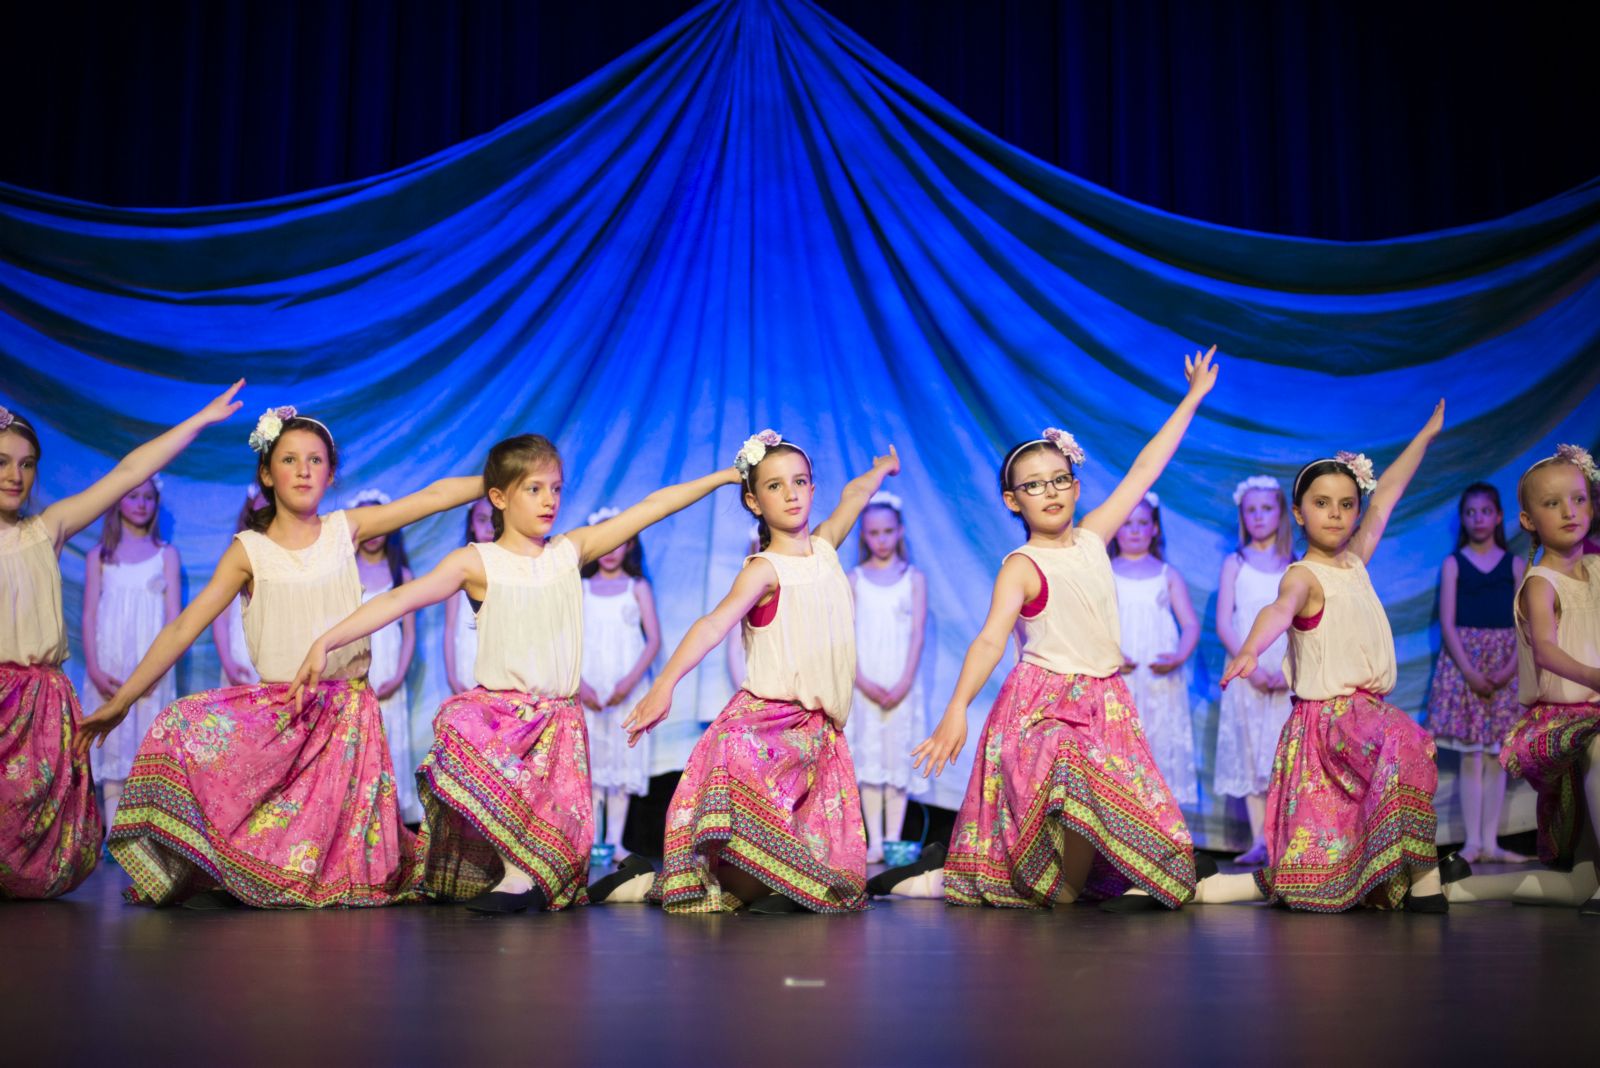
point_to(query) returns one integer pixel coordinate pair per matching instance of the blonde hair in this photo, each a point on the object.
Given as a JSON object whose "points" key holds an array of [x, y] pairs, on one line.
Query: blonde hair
{"points": [[863, 552], [111, 525], [1283, 539]]}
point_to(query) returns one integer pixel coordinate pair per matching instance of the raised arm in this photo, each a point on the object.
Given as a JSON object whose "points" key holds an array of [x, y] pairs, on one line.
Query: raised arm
{"points": [[857, 492], [1016, 584], [1296, 590], [71, 514], [1201, 372], [372, 520], [1541, 608], [594, 542], [231, 576], [1393, 484], [456, 570], [755, 581]]}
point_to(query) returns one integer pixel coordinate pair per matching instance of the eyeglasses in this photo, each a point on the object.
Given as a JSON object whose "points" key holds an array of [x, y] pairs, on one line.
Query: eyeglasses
{"points": [[1036, 488]]}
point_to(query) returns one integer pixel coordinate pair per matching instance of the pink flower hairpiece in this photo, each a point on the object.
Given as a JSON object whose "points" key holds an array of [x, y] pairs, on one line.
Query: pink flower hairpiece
{"points": [[1254, 482], [270, 425], [1066, 443], [754, 450], [6, 418], [1361, 467], [1578, 457]]}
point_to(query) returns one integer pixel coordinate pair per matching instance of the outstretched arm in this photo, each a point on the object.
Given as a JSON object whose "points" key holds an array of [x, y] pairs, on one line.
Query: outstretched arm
{"points": [[752, 584], [372, 520], [1393, 484], [857, 492], [1016, 584], [1295, 591], [594, 542], [232, 574], [1201, 371], [71, 514], [1542, 610]]}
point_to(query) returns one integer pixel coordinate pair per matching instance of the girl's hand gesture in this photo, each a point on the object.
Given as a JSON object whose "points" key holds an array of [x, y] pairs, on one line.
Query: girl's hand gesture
{"points": [[221, 406], [587, 697], [310, 673], [1201, 372], [889, 465], [1239, 667], [93, 730], [1435, 422], [943, 745], [622, 690], [650, 710]]}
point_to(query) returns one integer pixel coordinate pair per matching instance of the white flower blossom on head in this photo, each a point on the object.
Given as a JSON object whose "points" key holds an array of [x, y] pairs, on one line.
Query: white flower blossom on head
{"points": [[600, 515], [269, 426], [1361, 467], [1254, 482], [1152, 500], [884, 497], [1578, 457], [754, 450], [155, 480], [366, 497], [1066, 443]]}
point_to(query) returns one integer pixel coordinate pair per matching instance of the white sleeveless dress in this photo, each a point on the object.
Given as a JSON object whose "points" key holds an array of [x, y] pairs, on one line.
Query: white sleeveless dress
{"points": [[1251, 720], [396, 708], [881, 742], [612, 644], [132, 612], [233, 619], [1144, 606], [465, 640]]}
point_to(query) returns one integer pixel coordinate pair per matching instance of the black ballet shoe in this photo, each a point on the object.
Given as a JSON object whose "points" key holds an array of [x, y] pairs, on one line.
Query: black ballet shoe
{"points": [[629, 868], [1431, 904], [1590, 907], [1128, 904], [775, 905], [212, 901], [499, 903], [1204, 867], [883, 883], [1453, 868]]}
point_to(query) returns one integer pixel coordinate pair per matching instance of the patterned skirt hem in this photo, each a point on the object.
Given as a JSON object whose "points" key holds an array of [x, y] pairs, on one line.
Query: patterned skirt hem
{"points": [[1545, 748], [735, 825]]}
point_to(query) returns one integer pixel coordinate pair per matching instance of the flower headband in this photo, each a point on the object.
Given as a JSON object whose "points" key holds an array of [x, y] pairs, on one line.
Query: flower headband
{"points": [[1052, 436], [887, 499], [1254, 482], [7, 417], [754, 450], [600, 515], [366, 497], [1152, 500], [1356, 463], [1576, 455], [270, 425]]}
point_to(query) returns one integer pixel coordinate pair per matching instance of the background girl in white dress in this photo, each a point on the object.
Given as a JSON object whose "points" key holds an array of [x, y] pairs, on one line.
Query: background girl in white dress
{"points": [[1255, 708], [1159, 632], [382, 564], [460, 618], [131, 589], [621, 637], [227, 631], [888, 717]]}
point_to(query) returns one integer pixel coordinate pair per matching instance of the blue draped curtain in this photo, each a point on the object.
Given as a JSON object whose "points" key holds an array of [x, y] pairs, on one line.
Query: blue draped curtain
{"points": [[754, 218]]}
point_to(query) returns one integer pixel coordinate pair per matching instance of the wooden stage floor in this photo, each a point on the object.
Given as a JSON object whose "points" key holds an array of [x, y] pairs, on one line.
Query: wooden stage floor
{"points": [[88, 980]]}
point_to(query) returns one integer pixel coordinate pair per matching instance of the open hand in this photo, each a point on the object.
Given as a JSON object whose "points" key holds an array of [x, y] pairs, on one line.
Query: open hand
{"points": [[93, 730], [309, 675], [1239, 667], [650, 710], [943, 745], [222, 405], [1201, 372], [1435, 421]]}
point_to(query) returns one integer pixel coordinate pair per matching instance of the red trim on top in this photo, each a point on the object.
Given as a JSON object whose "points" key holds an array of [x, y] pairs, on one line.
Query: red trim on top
{"points": [[1309, 622], [762, 614], [1035, 606]]}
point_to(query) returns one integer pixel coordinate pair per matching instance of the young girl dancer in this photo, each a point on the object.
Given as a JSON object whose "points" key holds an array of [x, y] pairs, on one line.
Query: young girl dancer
{"points": [[506, 784], [1255, 709], [891, 613], [1350, 815], [50, 827], [1065, 798], [1471, 704], [461, 615], [381, 565], [1556, 743], [131, 587], [767, 814], [621, 638], [1159, 632], [241, 794], [227, 631]]}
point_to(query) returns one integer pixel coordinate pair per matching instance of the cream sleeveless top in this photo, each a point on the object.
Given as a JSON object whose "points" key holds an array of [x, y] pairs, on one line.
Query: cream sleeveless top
{"points": [[1079, 632], [807, 653], [530, 628], [32, 627], [1351, 648], [297, 595], [1577, 634]]}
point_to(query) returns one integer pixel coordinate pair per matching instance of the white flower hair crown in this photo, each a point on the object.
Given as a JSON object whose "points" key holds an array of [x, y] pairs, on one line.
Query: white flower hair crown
{"points": [[888, 500], [366, 497], [155, 480], [754, 450], [269, 426], [600, 515], [1152, 500], [1578, 457], [1254, 482], [1361, 467]]}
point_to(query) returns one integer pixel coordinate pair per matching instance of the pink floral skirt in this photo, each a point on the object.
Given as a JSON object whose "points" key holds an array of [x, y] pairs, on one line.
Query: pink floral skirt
{"points": [[1544, 747], [508, 771], [1457, 716], [1350, 807], [1065, 753], [232, 789], [771, 790], [50, 826]]}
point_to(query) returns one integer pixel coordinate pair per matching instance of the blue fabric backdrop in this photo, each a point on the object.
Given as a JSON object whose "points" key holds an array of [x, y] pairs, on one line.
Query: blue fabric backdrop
{"points": [[755, 219]]}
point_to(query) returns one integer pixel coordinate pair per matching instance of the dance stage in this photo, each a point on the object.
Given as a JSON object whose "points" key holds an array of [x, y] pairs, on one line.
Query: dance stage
{"points": [[89, 980]]}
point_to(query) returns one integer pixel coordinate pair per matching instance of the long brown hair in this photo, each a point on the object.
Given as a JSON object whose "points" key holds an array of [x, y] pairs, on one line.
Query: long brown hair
{"points": [[1480, 489], [111, 524]]}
